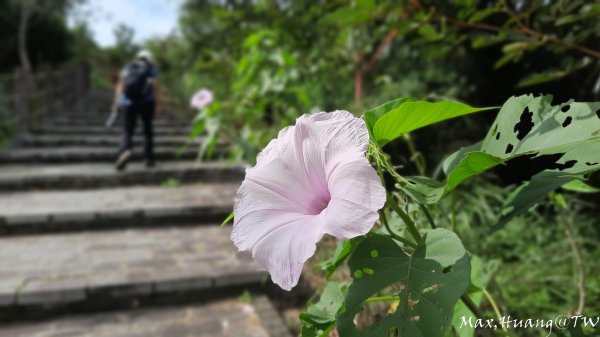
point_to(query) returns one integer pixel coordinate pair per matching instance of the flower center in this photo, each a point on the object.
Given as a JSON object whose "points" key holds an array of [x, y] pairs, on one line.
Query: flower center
{"points": [[319, 203]]}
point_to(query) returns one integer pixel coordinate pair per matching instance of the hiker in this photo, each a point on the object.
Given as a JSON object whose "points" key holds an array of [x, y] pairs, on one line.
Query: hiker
{"points": [[136, 95]]}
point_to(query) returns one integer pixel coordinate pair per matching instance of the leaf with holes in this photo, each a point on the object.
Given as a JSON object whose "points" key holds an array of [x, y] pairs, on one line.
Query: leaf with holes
{"points": [[528, 125], [431, 281], [572, 165]]}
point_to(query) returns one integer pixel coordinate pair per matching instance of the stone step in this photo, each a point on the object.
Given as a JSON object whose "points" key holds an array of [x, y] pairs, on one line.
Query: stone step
{"points": [[95, 175], [106, 270], [137, 206], [115, 130], [223, 318], [81, 154], [55, 140], [100, 120]]}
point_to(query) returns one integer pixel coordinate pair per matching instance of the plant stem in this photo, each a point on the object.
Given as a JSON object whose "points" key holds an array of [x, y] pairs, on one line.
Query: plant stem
{"points": [[428, 216], [392, 234], [453, 213], [578, 264], [524, 30], [410, 224], [471, 305], [490, 299], [382, 298], [382, 212], [415, 155]]}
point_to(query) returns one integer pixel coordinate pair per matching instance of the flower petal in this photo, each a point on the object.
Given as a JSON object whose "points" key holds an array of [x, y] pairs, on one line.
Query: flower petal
{"points": [[356, 196], [313, 179], [339, 132], [283, 251]]}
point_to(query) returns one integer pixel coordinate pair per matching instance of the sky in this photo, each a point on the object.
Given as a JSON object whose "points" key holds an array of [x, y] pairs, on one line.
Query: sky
{"points": [[147, 17]]}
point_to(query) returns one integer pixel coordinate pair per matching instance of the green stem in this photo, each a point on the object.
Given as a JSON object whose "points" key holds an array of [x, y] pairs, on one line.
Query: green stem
{"points": [[475, 310], [415, 155], [391, 232], [490, 299], [471, 305], [382, 212], [382, 299], [453, 213], [428, 216], [410, 224]]}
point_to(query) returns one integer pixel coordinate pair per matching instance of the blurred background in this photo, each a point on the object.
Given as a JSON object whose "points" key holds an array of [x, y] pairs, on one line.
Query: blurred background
{"points": [[139, 253]]}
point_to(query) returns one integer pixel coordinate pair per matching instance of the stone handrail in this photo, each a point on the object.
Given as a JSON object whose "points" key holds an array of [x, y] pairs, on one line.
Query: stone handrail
{"points": [[28, 102]]}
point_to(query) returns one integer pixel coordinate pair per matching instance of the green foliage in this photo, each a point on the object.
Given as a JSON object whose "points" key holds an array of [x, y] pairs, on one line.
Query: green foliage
{"points": [[124, 49], [410, 276], [410, 116], [481, 274], [49, 40], [430, 281], [342, 251], [171, 183], [319, 318], [528, 125]]}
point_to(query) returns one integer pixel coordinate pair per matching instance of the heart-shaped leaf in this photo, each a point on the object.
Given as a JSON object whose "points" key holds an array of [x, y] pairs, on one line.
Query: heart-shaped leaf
{"points": [[431, 280]]}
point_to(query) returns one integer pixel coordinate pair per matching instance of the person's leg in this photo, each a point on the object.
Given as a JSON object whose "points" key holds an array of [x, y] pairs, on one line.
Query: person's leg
{"points": [[148, 118], [129, 119]]}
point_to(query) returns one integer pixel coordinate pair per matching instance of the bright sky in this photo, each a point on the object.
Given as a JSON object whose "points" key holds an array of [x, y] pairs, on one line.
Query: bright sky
{"points": [[147, 17]]}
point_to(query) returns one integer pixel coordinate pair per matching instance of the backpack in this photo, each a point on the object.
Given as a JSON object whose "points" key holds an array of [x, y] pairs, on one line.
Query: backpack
{"points": [[135, 83]]}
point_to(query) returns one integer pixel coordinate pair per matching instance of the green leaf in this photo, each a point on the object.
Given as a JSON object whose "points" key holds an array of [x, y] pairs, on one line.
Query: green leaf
{"points": [[428, 32], [528, 125], [319, 318], [371, 116], [577, 185], [423, 190], [431, 281], [348, 16], [343, 249], [228, 219], [472, 164], [410, 116], [482, 14], [531, 125], [326, 309], [588, 11], [539, 78], [534, 191]]}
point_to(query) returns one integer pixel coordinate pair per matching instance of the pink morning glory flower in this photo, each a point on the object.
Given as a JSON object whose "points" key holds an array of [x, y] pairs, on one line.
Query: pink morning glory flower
{"points": [[313, 179], [201, 99]]}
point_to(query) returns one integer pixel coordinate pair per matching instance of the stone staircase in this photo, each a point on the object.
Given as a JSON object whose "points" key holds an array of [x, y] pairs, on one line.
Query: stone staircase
{"points": [[88, 251]]}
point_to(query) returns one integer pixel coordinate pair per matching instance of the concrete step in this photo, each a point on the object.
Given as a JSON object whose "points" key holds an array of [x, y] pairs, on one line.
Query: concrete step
{"points": [[139, 206], [223, 318], [82, 154], [100, 120], [55, 140], [110, 269], [115, 130], [102, 175]]}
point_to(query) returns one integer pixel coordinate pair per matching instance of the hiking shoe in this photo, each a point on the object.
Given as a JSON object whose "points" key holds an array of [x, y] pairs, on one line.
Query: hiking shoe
{"points": [[123, 160]]}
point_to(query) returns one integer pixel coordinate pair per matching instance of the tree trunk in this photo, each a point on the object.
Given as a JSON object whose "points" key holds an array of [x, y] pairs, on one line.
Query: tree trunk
{"points": [[25, 14], [26, 74]]}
